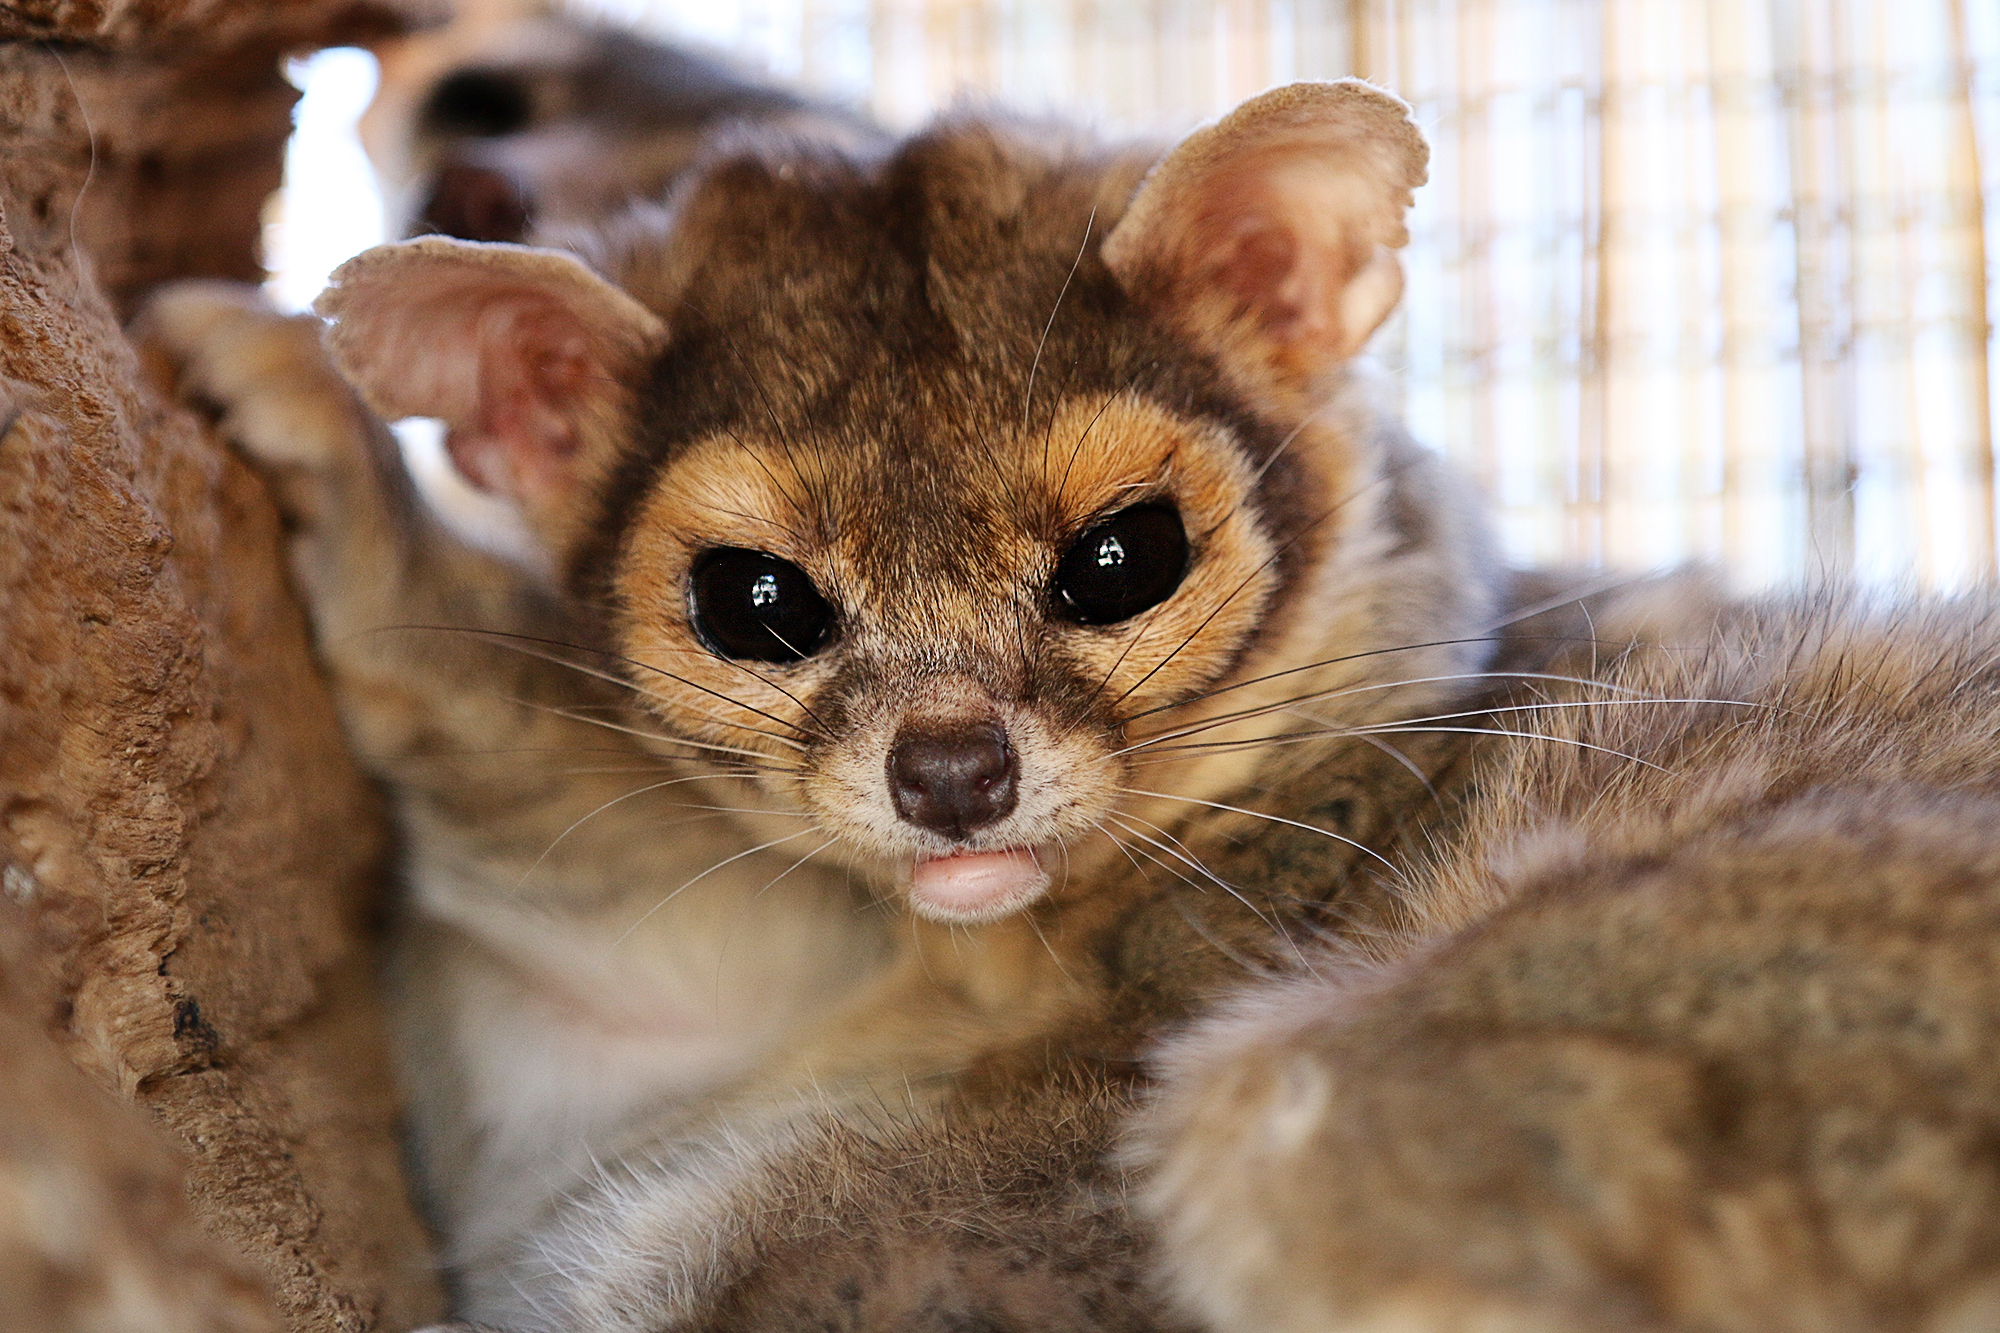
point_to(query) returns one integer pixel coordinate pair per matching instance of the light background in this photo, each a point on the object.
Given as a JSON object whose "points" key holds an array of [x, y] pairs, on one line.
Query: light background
{"points": [[1692, 279]]}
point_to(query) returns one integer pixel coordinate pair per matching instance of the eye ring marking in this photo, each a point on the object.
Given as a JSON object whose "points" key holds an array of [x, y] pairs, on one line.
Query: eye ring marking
{"points": [[1127, 562], [749, 605]]}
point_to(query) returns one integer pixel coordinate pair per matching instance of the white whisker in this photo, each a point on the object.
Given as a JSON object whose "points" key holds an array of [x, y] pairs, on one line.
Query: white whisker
{"points": [[1054, 957], [1028, 399], [1518, 735], [1367, 728], [766, 681], [1320, 696], [1381, 729], [1277, 925], [1099, 826], [528, 874], [794, 866], [741, 810], [1276, 819], [1405, 760], [727, 860], [520, 643], [1193, 863], [1254, 967], [574, 716]]}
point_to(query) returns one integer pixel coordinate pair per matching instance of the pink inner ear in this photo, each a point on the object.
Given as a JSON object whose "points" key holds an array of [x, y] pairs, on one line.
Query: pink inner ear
{"points": [[535, 373], [1289, 254], [1258, 269], [1264, 249], [1271, 233], [1266, 268], [521, 351]]}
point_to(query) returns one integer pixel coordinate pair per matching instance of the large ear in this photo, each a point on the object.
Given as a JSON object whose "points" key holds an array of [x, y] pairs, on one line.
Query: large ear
{"points": [[1269, 236], [525, 354]]}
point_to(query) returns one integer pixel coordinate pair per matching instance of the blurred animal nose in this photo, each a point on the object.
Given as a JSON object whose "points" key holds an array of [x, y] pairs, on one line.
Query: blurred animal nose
{"points": [[475, 203], [953, 781]]}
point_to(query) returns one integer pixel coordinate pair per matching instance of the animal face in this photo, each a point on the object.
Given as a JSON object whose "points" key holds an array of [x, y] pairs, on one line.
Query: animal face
{"points": [[915, 485], [934, 636]]}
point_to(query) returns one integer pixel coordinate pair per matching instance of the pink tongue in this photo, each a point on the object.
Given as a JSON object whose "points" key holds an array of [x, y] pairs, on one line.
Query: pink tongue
{"points": [[978, 885]]}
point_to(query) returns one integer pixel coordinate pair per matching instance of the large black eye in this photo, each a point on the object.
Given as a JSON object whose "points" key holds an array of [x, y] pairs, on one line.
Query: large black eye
{"points": [[748, 604], [1131, 561]]}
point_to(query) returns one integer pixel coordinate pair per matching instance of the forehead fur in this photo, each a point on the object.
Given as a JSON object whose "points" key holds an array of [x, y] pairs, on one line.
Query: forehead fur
{"points": [[916, 305]]}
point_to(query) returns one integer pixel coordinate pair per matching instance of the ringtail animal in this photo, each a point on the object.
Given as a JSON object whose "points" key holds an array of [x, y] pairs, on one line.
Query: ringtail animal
{"points": [[1664, 1001], [1643, 944], [498, 126], [931, 503]]}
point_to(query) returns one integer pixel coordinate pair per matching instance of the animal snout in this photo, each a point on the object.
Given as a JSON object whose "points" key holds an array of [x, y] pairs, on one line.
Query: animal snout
{"points": [[953, 781]]}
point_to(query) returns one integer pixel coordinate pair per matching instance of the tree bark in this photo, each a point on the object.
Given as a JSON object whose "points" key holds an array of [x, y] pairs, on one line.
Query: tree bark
{"points": [[189, 852]]}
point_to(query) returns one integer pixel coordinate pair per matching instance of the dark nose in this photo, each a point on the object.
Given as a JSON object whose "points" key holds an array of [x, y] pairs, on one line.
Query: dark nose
{"points": [[953, 781]]}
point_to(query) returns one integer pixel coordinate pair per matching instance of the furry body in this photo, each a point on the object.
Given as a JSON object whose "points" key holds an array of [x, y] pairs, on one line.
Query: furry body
{"points": [[1699, 1038], [918, 379]]}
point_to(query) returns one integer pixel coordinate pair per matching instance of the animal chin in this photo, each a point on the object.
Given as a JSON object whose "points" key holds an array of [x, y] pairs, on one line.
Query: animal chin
{"points": [[974, 887]]}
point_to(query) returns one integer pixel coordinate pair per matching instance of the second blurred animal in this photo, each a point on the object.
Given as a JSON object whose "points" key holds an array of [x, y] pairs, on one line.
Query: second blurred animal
{"points": [[515, 120]]}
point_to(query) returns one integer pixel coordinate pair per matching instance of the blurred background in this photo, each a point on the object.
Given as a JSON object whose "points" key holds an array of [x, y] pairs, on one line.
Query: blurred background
{"points": [[1704, 279]]}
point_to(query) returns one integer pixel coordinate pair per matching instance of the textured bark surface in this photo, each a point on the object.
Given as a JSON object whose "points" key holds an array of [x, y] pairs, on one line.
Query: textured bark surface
{"points": [[179, 820], [216, 24], [95, 1232], [178, 157]]}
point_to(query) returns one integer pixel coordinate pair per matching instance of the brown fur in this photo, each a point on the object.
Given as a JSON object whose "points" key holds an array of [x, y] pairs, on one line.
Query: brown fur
{"points": [[516, 119], [866, 1226], [830, 1207], [922, 374], [539, 928], [920, 371], [1694, 1028], [917, 375]]}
